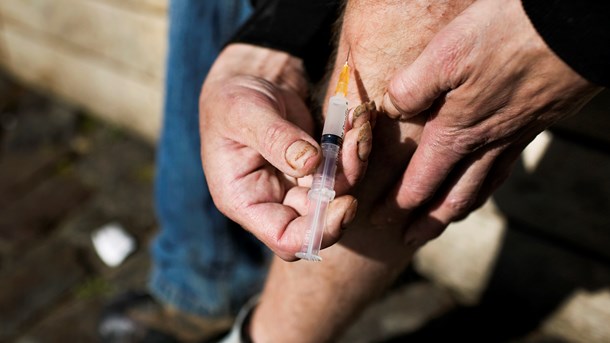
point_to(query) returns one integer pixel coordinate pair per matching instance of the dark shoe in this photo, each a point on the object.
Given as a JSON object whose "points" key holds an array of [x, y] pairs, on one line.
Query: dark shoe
{"points": [[136, 317]]}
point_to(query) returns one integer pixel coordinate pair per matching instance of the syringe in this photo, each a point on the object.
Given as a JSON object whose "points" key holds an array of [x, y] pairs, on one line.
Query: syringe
{"points": [[322, 189]]}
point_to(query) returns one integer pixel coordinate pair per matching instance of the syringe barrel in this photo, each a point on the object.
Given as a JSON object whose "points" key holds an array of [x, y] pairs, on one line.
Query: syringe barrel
{"points": [[335, 116], [320, 195], [325, 175], [322, 188]]}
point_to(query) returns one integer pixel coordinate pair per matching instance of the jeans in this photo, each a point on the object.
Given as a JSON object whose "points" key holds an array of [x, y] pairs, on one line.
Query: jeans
{"points": [[202, 262]]}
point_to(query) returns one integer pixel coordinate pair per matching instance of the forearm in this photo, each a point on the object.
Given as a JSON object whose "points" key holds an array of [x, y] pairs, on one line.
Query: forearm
{"points": [[314, 302]]}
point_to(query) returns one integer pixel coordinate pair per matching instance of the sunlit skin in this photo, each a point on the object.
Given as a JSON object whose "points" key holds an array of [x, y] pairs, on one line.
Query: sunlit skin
{"points": [[409, 196]]}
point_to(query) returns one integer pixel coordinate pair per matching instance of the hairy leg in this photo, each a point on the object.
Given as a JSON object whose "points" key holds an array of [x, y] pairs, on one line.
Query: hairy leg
{"points": [[315, 302]]}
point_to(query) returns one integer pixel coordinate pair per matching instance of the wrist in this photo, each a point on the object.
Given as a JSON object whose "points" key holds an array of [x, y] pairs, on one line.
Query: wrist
{"points": [[277, 67]]}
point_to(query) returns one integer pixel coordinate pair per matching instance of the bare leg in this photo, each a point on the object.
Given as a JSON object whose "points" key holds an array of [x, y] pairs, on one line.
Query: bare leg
{"points": [[315, 302]]}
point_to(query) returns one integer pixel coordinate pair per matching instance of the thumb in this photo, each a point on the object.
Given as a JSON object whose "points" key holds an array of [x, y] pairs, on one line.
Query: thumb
{"points": [[285, 145], [414, 89]]}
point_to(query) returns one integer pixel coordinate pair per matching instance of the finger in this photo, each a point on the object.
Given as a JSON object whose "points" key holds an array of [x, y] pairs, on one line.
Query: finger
{"points": [[459, 198], [341, 212], [260, 123], [296, 197], [282, 229], [423, 230], [503, 167], [471, 188], [361, 114], [279, 227], [413, 89], [357, 147], [437, 70], [432, 161]]}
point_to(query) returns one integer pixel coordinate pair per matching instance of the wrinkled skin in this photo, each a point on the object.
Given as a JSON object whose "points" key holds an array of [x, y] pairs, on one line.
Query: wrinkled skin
{"points": [[483, 88], [257, 148]]}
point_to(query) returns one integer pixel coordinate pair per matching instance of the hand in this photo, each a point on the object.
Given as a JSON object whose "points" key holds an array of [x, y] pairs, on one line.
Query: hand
{"points": [[487, 85], [257, 149]]}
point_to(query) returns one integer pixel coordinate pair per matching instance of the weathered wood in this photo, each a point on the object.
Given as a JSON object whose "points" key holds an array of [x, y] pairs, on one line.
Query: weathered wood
{"points": [[154, 6], [82, 79], [36, 284], [583, 318], [21, 172], [33, 215], [133, 39], [566, 198], [462, 259]]}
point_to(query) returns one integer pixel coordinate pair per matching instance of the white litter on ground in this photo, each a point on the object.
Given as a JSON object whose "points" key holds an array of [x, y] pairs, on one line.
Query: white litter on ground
{"points": [[113, 244]]}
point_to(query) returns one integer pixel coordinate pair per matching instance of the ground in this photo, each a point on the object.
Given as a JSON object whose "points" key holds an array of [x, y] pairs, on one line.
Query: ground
{"points": [[62, 176]]}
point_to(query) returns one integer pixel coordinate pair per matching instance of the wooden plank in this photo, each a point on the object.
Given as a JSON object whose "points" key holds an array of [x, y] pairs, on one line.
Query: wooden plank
{"points": [[584, 317], [36, 284], [153, 6], [566, 199], [35, 214], [82, 79], [133, 39], [462, 258], [19, 172]]}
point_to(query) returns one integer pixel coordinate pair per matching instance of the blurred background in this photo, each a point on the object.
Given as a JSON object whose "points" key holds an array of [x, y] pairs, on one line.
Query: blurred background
{"points": [[80, 103]]}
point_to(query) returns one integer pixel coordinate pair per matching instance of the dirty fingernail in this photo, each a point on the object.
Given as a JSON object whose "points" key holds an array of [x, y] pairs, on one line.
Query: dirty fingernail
{"points": [[371, 106], [389, 108], [364, 141], [350, 214], [360, 111], [298, 153]]}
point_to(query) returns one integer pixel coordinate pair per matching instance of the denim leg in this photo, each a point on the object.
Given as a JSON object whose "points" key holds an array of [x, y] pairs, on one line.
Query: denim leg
{"points": [[202, 263]]}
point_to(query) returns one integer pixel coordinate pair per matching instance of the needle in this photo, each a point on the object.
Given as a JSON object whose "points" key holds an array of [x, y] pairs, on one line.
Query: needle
{"points": [[349, 50]]}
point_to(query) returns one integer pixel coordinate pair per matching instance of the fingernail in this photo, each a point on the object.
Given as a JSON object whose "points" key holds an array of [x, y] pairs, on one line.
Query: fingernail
{"points": [[350, 214], [364, 141], [361, 115], [359, 111], [298, 153], [371, 106], [389, 108]]}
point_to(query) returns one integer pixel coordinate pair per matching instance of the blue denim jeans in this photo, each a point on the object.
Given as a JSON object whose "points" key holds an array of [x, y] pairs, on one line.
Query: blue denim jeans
{"points": [[202, 263]]}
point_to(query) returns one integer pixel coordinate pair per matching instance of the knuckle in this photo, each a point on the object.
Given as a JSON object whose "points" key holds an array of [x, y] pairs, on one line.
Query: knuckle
{"points": [[459, 141], [281, 248], [229, 93], [459, 206], [400, 88], [452, 51], [272, 138], [418, 196]]}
